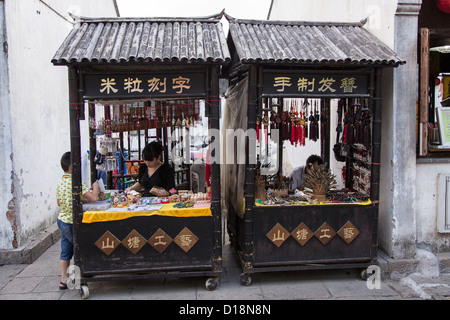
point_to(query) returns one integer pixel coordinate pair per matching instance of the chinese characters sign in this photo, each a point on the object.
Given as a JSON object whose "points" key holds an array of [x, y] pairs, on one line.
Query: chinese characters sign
{"points": [[134, 241], [304, 84], [143, 85], [302, 234]]}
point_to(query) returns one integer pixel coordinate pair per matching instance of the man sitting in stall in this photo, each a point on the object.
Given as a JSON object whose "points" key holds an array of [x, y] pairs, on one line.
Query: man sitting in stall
{"points": [[298, 174]]}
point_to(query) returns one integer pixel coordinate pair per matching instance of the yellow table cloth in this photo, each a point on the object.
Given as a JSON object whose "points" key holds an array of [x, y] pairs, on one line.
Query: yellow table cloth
{"points": [[167, 210]]}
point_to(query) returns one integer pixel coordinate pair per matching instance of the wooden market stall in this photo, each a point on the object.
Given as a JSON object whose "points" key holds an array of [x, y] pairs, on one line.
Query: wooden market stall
{"points": [[145, 78], [297, 76]]}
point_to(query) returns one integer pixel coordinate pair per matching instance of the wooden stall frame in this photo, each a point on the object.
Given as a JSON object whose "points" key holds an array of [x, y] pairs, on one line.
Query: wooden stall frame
{"points": [[246, 252], [76, 103]]}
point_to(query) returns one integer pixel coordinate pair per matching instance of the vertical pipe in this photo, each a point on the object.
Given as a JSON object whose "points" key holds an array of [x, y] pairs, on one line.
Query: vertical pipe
{"points": [[215, 168], [75, 149], [92, 143], [375, 90], [250, 169], [376, 137]]}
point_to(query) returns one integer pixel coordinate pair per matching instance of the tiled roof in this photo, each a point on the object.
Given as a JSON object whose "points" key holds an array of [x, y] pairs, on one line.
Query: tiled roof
{"points": [[123, 40], [308, 43]]}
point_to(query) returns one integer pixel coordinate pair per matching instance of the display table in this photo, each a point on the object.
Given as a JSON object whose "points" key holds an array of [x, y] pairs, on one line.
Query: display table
{"points": [[167, 210]]}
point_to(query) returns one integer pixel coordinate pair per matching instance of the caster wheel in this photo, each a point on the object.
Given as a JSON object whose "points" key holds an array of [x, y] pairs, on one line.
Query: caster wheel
{"points": [[212, 284], [364, 275], [84, 291], [245, 279]]}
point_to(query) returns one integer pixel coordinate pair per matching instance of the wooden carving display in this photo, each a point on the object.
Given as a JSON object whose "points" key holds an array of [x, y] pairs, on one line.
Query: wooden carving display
{"points": [[320, 180]]}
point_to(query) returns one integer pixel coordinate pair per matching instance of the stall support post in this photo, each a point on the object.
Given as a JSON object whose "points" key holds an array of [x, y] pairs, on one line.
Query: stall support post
{"points": [[75, 149], [376, 155], [250, 169], [215, 169], [376, 137], [92, 143]]}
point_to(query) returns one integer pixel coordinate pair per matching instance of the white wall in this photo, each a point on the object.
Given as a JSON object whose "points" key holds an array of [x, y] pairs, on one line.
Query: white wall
{"points": [[426, 207], [380, 13], [39, 105], [6, 232]]}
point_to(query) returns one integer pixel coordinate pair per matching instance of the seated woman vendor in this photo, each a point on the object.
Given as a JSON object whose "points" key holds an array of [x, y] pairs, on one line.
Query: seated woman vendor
{"points": [[153, 172]]}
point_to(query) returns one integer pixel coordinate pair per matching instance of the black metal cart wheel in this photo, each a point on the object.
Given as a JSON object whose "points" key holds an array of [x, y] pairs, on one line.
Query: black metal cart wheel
{"points": [[84, 291], [211, 284], [364, 275], [245, 279]]}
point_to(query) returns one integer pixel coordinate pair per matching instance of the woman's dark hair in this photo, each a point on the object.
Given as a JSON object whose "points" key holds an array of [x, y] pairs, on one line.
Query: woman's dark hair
{"points": [[152, 150], [65, 161]]}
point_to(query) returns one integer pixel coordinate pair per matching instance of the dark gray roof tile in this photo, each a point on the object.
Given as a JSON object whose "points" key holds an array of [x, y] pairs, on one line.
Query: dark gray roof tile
{"points": [[122, 40], [308, 43]]}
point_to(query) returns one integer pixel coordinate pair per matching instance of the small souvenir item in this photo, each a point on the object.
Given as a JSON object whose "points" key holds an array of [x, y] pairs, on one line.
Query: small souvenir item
{"points": [[160, 192], [164, 200], [155, 201], [174, 198]]}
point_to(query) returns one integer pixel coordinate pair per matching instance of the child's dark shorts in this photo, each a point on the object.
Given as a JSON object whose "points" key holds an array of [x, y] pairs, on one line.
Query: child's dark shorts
{"points": [[66, 240]]}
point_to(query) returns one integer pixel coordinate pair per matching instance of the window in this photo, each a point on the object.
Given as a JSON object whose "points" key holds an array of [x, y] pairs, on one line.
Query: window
{"points": [[434, 83]]}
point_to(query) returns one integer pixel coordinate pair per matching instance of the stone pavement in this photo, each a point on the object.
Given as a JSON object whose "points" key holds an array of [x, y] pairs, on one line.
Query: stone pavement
{"points": [[39, 281]]}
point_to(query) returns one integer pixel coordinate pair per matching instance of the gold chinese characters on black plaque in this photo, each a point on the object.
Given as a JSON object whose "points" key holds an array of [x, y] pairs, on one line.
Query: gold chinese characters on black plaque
{"points": [[134, 241], [302, 234]]}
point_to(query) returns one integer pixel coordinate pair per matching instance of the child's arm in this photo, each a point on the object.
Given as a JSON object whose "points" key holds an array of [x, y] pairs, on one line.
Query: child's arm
{"points": [[92, 196]]}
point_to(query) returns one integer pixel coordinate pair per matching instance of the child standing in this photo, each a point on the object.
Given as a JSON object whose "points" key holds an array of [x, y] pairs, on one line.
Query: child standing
{"points": [[65, 217]]}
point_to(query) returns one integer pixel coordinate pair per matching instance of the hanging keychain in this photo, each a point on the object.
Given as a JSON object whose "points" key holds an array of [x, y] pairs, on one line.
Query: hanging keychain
{"points": [[266, 124], [305, 115], [292, 127], [297, 123], [302, 126], [258, 127]]}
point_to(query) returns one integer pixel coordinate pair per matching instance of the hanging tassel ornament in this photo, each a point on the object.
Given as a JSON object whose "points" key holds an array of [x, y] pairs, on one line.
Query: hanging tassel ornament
{"points": [[305, 116], [266, 124], [258, 128], [293, 131], [302, 124], [312, 130]]}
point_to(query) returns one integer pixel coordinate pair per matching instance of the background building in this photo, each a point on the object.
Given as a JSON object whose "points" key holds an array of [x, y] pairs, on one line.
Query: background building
{"points": [[34, 111]]}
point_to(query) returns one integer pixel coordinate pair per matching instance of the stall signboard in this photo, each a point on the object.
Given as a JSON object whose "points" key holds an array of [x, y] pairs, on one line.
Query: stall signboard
{"points": [[305, 84], [154, 85]]}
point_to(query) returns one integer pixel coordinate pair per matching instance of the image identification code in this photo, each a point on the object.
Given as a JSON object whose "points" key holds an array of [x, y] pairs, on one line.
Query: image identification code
{"points": [[235, 309]]}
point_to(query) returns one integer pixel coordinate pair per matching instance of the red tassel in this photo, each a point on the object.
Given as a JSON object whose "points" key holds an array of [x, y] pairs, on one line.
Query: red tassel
{"points": [[258, 127], [292, 134], [302, 136]]}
